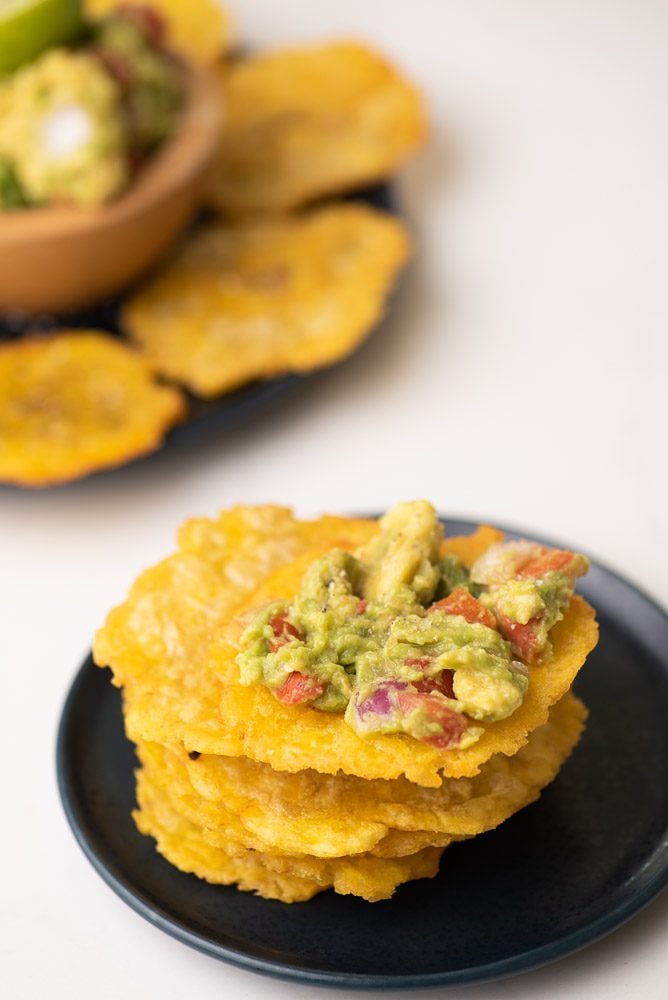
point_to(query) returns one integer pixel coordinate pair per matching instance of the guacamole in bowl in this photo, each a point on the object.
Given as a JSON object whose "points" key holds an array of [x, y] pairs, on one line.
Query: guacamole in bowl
{"points": [[77, 122]]}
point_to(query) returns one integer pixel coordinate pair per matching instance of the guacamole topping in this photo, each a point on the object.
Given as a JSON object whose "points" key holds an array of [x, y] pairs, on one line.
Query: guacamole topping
{"points": [[404, 640]]}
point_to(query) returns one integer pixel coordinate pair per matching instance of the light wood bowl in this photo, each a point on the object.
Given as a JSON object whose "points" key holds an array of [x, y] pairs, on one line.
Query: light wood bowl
{"points": [[59, 258]]}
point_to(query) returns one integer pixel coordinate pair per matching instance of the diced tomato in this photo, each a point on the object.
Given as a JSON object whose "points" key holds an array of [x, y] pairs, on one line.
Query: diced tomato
{"points": [[361, 607], [523, 638], [283, 630], [298, 688], [427, 685], [116, 64], [546, 561], [443, 683], [146, 19], [453, 724], [461, 602], [417, 661]]}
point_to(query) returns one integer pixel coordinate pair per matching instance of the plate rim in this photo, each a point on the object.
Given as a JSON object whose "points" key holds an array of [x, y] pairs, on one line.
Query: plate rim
{"points": [[525, 961]]}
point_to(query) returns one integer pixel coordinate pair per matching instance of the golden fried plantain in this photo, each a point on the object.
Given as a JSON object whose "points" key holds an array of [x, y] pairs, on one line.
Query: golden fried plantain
{"points": [[258, 300], [77, 402], [309, 121]]}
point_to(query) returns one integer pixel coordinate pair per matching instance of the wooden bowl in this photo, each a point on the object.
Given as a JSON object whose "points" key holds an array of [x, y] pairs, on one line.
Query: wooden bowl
{"points": [[59, 258]]}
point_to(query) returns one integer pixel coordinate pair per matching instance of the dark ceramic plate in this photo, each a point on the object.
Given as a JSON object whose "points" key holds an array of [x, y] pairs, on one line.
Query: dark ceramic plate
{"points": [[205, 416], [565, 871]]}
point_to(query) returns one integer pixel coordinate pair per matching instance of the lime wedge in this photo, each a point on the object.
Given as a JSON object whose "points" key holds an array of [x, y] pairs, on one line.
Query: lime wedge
{"points": [[27, 27]]}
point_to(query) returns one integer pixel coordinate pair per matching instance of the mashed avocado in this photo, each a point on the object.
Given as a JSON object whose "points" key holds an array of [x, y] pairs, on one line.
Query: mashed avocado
{"points": [[12, 194], [150, 81], [395, 636], [61, 130], [75, 124]]}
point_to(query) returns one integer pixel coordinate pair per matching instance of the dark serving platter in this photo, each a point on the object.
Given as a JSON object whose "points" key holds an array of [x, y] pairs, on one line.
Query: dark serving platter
{"points": [[557, 876], [205, 416]]}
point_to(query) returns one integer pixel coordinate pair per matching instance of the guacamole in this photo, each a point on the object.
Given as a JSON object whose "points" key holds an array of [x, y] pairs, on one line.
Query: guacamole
{"points": [[129, 46], [61, 130], [11, 192], [404, 640], [76, 123]]}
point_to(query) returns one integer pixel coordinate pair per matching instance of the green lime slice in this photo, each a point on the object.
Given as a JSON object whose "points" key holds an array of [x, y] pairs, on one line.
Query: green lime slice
{"points": [[27, 27]]}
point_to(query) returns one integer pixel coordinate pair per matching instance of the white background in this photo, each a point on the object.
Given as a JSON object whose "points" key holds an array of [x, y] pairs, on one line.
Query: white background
{"points": [[520, 378]]}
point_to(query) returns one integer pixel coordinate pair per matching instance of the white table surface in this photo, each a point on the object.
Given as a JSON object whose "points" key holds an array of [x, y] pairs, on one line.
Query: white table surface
{"points": [[521, 377]]}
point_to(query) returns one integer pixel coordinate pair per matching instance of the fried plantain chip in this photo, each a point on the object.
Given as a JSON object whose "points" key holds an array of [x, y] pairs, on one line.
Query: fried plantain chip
{"points": [[200, 30], [332, 816], [172, 646], [228, 823], [194, 839], [329, 840], [327, 837], [319, 836], [311, 121], [367, 876], [179, 841], [157, 638], [262, 299], [469, 548], [290, 879], [77, 402]]}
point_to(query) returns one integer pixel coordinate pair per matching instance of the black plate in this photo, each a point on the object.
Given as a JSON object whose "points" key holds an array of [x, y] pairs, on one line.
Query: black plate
{"points": [[565, 871], [205, 416]]}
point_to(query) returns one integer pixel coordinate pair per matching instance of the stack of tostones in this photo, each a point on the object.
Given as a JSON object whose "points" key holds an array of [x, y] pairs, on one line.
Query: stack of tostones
{"points": [[331, 703]]}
